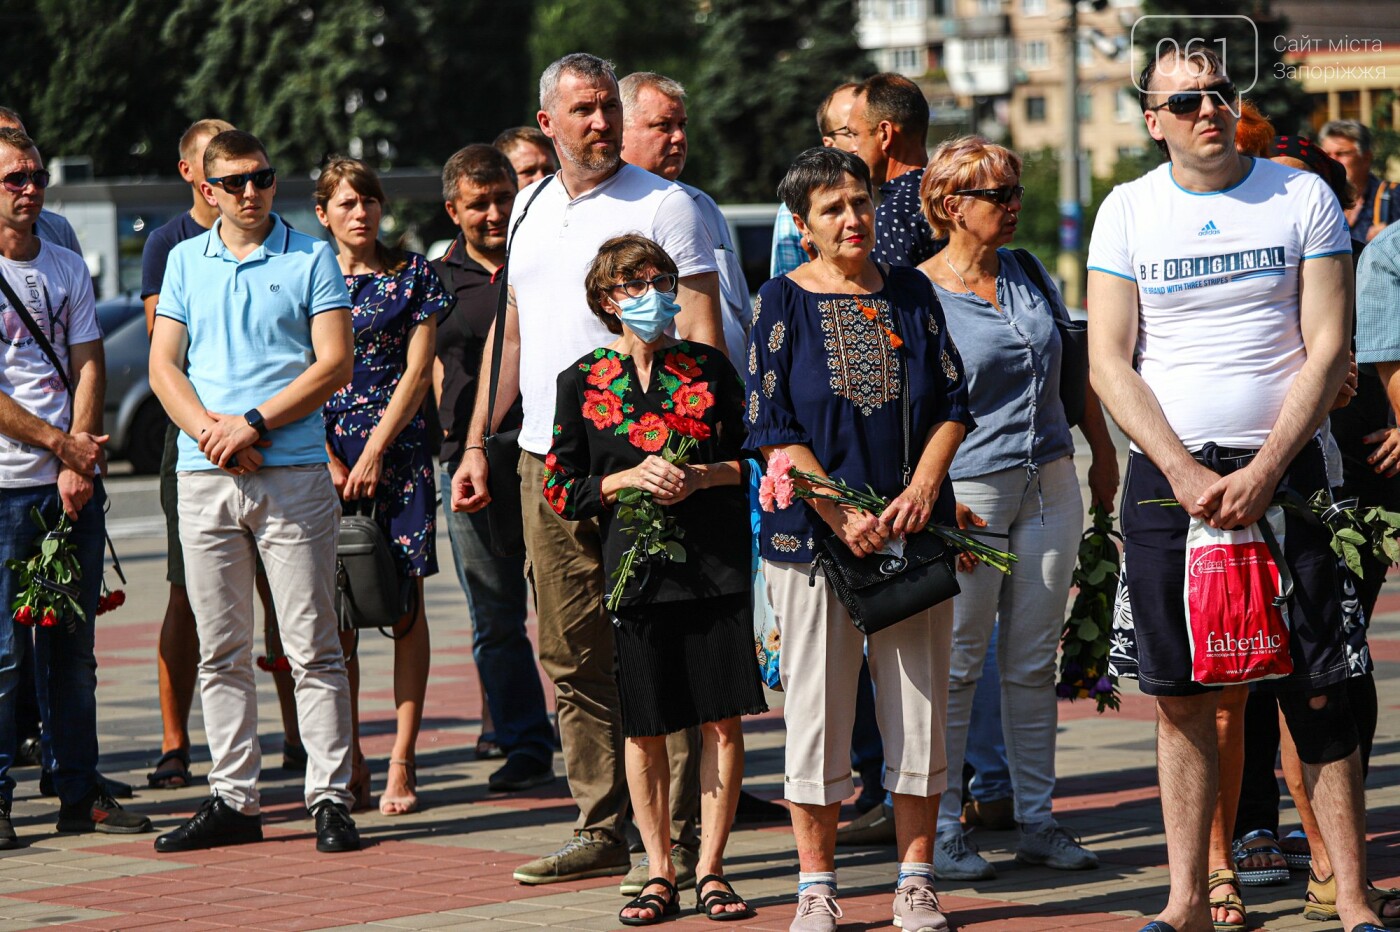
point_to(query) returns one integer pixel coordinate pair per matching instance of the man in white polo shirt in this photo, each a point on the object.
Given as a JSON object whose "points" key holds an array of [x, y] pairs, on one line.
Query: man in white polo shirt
{"points": [[594, 196], [264, 317]]}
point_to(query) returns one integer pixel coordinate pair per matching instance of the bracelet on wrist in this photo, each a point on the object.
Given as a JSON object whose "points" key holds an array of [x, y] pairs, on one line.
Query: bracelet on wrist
{"points": [[475, 446]]}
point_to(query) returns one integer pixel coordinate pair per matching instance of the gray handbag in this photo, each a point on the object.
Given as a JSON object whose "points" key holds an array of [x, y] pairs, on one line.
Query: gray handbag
{"points": [[369, 593]]}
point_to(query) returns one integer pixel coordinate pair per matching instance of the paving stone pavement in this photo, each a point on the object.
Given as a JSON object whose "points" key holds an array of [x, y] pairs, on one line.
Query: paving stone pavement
{"points": [[449, 866]]}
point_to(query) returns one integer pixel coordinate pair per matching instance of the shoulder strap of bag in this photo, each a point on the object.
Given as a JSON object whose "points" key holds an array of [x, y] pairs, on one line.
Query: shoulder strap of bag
{"points": [[1032, 269], [499, 340], [906, 468], [1382, 201], [36, 331]]}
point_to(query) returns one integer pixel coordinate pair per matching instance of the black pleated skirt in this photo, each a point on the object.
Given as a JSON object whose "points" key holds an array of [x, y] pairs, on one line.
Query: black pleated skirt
{"points": [[683, 663]]}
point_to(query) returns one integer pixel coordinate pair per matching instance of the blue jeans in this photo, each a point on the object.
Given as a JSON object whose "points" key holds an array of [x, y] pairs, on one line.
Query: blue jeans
{"points": [[505, 660], [64, 663], [986, 745]]}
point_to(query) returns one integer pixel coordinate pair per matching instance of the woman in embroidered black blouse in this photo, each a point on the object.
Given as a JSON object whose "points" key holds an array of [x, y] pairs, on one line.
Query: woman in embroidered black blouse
{"points": [[683, 629], [839, 348]]}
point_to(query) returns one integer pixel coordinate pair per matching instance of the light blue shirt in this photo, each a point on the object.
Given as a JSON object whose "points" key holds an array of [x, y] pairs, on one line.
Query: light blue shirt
{"points": [[1012, 361], [249, 327], [1377, 297], [733, 289], [788, 253], [55, 228]]}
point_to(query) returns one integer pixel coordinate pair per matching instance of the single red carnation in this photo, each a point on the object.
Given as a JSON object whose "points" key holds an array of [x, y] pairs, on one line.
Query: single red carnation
{"points": [[24, 615]]}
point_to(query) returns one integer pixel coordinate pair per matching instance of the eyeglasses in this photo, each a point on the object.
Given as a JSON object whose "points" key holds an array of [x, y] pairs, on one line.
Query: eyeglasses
{"points": [[665, 283], [15, 182], [840, 131], [1003, 195], [1225, 94], [235, 184]]}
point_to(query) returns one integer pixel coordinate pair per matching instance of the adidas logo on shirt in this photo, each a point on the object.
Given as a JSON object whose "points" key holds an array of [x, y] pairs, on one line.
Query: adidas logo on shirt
{"points": [[1209, 229]]}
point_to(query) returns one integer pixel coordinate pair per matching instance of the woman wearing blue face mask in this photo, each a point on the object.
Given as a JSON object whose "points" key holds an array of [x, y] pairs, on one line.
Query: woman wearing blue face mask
{"points": [[683, 629]]}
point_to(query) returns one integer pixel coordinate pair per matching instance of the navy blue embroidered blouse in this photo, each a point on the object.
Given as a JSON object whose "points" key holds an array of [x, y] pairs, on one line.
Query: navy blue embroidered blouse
{"points": [[822, 371]]}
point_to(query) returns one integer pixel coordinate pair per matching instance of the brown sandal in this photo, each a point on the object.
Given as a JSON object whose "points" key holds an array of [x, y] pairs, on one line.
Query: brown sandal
{"points": [[1321, 900], [1224, 877]]}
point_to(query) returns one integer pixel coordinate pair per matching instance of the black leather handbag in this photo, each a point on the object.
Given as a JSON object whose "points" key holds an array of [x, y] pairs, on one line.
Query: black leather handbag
{"points": [[882, 589], [502, 448], [1074, 345], [368, 590]]}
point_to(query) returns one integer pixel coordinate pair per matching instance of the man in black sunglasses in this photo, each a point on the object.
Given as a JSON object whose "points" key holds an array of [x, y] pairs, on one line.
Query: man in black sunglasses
{"points": [[51, 460], [50, 227], [1213, 356]]}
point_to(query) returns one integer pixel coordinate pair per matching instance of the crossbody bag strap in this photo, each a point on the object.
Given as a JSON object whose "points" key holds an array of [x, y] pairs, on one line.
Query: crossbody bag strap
{"points": [[1032, 269], [499, 339], [36, 331], [1285, 576]]}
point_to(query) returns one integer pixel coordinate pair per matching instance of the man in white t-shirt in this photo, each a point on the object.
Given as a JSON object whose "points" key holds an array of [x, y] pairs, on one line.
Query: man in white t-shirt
{"points": [[1218, 362], [51, 460], [594, 196]]}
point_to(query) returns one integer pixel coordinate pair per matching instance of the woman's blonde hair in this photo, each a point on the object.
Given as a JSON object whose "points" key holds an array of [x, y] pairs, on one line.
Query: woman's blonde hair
{"points": [[958, 164]]}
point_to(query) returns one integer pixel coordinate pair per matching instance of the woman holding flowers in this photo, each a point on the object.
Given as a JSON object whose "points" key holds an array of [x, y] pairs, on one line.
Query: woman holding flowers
{"points": [[843, 352], [377, 441], [1016, 472], [647, 438]]}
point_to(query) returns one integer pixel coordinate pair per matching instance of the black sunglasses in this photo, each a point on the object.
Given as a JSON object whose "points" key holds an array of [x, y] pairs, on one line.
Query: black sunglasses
{"points": [[665, 283], [16, 182], [234, 184], [1003, 195], [1225, 94]]}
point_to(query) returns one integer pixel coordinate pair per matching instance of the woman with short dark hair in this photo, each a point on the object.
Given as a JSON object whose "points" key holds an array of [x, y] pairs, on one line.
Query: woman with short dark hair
{"points": [[683, 625], [850, 371]]}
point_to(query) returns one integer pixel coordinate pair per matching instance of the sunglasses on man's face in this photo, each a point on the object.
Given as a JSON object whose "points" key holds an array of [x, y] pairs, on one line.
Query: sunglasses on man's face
{"points": [[1003, 195], [1225, 94], [15, 182], [235, 184]]}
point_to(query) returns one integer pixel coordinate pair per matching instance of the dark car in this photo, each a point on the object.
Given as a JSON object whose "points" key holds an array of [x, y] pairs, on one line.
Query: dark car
{"points": [[133, 415]]}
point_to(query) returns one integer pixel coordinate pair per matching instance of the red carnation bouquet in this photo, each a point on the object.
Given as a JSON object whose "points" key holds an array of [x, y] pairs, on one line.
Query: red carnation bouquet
{"points": [[656, 535], [49, 579]]}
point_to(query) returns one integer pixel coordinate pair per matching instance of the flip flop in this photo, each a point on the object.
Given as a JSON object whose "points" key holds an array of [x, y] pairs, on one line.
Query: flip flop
{"points": [[172, 771]]}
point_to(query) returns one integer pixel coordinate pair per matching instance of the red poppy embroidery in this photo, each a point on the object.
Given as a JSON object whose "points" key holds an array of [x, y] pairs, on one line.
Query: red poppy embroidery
{"points": [[557, 496], [649, 433], [693, 400], [604, 409], [602, 372], [550, 462], [682, 366]]}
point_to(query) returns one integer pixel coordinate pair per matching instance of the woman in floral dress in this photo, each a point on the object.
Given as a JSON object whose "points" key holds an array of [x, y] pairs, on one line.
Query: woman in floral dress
{"points": [[378, 442], [683, 627]]}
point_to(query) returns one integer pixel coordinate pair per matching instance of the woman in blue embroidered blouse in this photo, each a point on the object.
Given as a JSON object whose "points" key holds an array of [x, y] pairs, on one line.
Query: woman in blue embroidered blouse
{"points": [[378, 442], [1017, 472], [832, 346]]}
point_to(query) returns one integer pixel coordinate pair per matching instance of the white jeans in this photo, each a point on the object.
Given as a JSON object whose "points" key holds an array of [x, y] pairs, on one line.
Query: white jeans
{"points": [[288, 515], [1030, 607]]}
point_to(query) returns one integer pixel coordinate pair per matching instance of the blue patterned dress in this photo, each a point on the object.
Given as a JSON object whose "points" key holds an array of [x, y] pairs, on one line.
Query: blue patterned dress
{"points": [[388, 305]]}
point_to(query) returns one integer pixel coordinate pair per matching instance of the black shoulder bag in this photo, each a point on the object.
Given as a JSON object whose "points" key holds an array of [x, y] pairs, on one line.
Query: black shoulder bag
{"points": [[883, 589], [502, 448], [1074, 344]]}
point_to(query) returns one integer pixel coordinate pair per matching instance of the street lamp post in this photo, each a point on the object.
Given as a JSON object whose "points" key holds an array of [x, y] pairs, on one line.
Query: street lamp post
{"points": [[1071, 212]]}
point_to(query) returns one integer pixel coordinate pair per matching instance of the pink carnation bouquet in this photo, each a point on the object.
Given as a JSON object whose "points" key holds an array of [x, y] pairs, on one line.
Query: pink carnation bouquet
{"points": [[783, 483]]}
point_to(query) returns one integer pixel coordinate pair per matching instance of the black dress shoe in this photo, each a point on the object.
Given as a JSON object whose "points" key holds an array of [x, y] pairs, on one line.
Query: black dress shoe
{"points": [[335, 830], [520, 772], [215, 824]]}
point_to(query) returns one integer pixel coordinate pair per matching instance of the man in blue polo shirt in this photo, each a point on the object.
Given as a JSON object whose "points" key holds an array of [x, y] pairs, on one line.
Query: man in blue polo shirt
{"points": [[265, 315]]}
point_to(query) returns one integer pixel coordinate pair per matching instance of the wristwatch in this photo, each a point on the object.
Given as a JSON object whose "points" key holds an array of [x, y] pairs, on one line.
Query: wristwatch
{"points": [[255, 421]]}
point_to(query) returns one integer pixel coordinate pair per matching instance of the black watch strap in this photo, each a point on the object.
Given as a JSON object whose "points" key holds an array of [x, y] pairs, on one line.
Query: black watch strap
{"points": [[255, 421]]}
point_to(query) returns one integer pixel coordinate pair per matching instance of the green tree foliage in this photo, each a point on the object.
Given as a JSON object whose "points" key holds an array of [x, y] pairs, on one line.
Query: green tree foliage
{"points": [[88, 80], [635, 35], [1278, 96], [764, 69], [1039, 225]]}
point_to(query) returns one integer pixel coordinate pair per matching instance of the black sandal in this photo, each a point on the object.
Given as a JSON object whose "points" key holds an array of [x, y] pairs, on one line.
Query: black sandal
{"points": [[172, 771], [661, 907], [706, 903]]}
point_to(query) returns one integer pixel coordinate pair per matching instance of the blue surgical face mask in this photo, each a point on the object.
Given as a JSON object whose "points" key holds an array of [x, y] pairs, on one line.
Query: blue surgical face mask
{"points": [[649, 315]]}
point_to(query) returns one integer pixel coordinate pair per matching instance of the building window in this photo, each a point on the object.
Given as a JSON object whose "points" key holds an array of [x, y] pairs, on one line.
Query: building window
{"points": [[988, 6], [909, 60], [1086, 106], [1033, 7], [908, 9], [1035, 109], [1035, 54], [870, 9], [1126, 107], [1086, 52], [989, 51]]}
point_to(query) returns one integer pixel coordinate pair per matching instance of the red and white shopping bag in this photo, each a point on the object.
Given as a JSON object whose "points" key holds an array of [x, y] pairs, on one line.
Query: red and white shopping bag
{"points": [[1237, 602]]}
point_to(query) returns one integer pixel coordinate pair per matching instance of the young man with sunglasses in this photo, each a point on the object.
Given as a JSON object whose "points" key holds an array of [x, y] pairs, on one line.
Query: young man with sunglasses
{"points": [[252, 336], [1218, 362], [50, 227], [51, 460]]}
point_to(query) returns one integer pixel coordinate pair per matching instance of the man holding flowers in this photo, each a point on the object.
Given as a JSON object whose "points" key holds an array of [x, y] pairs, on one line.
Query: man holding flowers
{"points": [[50, 478]]}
